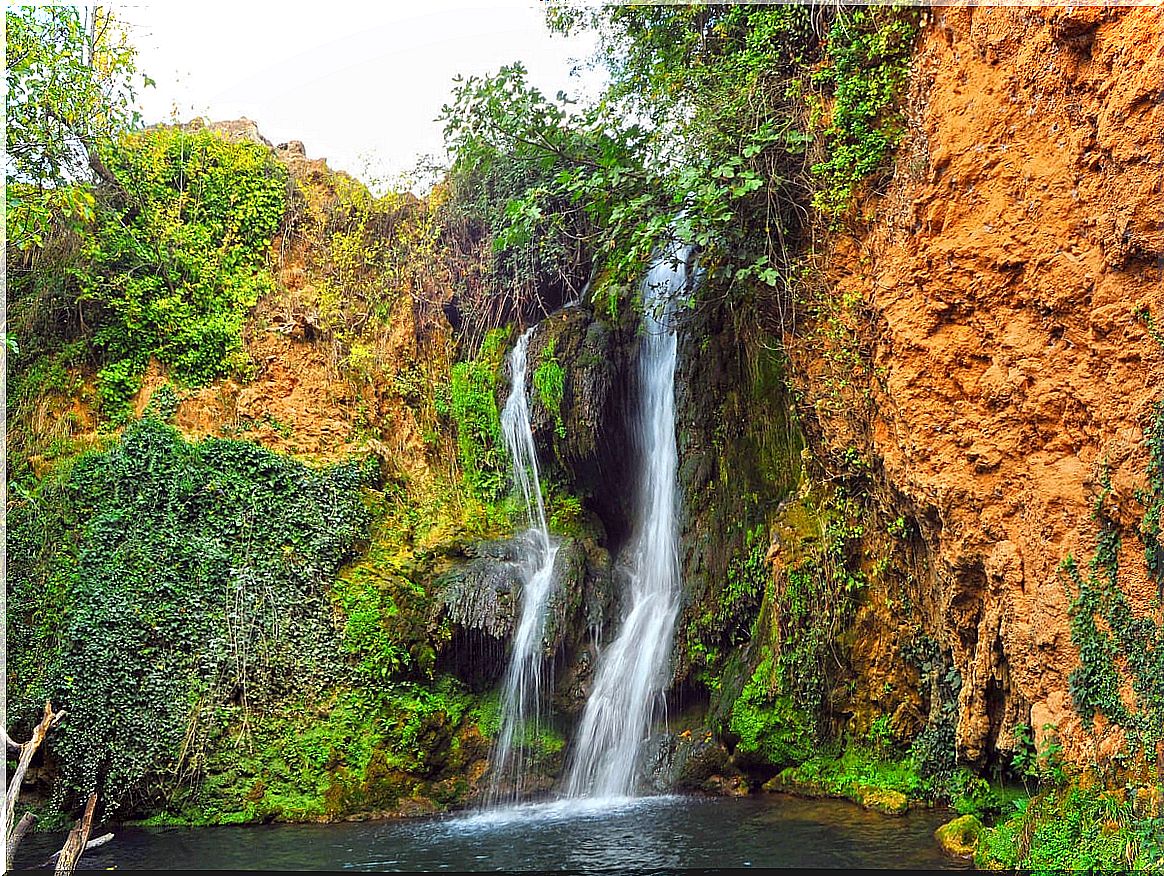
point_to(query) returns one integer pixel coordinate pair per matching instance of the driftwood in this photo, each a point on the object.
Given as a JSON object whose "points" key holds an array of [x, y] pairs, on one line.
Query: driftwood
{"points": [[13, 833], [92, 844], [27, 820], [77, 839]]}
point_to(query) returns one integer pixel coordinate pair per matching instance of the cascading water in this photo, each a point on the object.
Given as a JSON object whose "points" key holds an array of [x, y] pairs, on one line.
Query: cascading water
{"points": [[521, 695], [629, 684]]}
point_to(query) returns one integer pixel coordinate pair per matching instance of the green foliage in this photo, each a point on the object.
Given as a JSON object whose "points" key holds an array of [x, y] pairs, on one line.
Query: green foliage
{"points": [[157, 583], [814, 607], [859, 770], [1116, 646], [472, 404], [364, 255], [935, 748], [1084, 830], [1153, 499], [176, 258], [351, 751], [70, 75], [727, 622], [719, 84], [549, 379], [163, 404], [770, 729], [1044, 767], [782, 712], [517, 156], [866, 65]]}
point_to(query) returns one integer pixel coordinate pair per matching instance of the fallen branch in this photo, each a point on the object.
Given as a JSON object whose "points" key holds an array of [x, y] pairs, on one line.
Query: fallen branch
{"points": [[12, 833], [97, 842], [22, 827], [77, 840]]}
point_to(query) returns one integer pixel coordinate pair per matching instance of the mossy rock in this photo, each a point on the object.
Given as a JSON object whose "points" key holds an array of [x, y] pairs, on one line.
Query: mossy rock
{"points": [[789, 781], [882, 800], [959, 838]]}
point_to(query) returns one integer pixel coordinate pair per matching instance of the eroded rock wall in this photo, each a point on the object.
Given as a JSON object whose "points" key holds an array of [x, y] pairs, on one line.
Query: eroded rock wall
{"points": [[1003, 282]]}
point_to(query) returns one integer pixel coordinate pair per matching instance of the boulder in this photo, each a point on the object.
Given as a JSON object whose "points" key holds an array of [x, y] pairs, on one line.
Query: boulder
{"points": [[959, 838]]}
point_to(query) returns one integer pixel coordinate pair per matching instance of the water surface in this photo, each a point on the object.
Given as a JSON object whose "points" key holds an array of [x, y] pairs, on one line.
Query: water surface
{"points": [[655, 834]]}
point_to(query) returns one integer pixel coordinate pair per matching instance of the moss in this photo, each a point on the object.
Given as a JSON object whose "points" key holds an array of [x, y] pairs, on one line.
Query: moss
{"points": [[771, 730], [549, 379], [878, 780], [357, 751], [959, 837]]}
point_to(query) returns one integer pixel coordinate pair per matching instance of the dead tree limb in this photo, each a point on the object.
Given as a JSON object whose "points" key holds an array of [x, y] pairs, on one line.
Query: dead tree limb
{"points": [[92, 844], [27, 750], [22, 827], [77, 839]]}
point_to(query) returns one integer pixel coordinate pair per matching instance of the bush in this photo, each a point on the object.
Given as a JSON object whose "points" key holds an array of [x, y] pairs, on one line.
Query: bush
{"points": [[158, 582], [176, 256]]}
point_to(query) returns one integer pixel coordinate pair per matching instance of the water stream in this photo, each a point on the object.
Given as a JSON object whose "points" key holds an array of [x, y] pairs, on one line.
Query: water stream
{"points": [[628, 692], [521, 695], [647, 835]]}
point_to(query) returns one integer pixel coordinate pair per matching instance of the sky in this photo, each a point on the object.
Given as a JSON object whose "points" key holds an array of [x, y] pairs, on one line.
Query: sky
{"points": [[360, 84]]}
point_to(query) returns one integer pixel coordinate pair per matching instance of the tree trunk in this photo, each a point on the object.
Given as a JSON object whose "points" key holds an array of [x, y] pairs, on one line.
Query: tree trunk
{"points": [[78, 837], [27, 750]]}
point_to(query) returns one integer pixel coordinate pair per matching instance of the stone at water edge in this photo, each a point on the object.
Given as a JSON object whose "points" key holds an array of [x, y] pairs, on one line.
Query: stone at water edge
{"points": [[959, 838], [883, 800]]}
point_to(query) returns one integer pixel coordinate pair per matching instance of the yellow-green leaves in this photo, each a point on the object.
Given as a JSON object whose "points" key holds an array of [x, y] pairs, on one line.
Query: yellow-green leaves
{"points": [[172, 262]]}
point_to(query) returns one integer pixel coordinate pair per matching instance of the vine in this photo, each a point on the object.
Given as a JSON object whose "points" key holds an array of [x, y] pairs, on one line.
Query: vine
{"points": [[867, 64], [156, 583], [1115, 645]]}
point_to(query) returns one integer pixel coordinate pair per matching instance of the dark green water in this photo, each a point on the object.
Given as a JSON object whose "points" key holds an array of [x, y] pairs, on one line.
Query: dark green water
{"points": [[648, 834]]}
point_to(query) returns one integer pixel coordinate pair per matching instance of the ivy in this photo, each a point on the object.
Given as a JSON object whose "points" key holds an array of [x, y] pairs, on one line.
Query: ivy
{"points": [[1117, 646], [153, 584], [867, 64]]}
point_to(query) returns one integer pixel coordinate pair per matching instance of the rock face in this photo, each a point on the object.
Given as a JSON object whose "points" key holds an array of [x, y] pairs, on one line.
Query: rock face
{"points": [[1005, 285], [591, 448], [479, 601]]}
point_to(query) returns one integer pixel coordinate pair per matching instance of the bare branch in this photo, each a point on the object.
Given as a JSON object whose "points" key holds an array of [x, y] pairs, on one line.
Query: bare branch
{"points": [[78, 839], [92, 844]]}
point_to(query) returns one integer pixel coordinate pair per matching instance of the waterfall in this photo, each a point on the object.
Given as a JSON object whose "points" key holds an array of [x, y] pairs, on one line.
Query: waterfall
{"points": [[628, 692], [521, 695]]}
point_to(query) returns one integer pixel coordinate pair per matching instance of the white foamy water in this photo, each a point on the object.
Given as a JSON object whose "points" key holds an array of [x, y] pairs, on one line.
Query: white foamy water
{"points": [[521, 696], [628, 692]]}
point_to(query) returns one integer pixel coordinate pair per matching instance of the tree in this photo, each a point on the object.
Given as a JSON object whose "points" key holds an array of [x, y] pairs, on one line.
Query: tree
{"points": [[71, 75]]}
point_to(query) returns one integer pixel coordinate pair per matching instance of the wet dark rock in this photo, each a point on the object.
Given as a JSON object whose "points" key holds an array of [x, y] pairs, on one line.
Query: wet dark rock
{"points": [[591, 450], [694, 760], [482, 595], [480, 601]]}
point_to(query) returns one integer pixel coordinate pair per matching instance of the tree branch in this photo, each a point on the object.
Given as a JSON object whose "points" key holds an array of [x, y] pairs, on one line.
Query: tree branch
{"points": [[12, 833], [78, 839]]}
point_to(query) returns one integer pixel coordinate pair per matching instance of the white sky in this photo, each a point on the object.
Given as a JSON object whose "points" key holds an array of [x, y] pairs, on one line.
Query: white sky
{"points": [[360, 84]]}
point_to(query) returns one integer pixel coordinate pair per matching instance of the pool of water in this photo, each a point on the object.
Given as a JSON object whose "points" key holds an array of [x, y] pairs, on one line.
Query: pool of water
{"points": [[655, 834]]}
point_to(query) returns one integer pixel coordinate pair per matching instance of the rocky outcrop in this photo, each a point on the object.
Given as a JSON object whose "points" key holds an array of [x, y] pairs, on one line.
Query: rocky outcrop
{"points": [[587, 438], [1005, 288], [478, 603]]}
